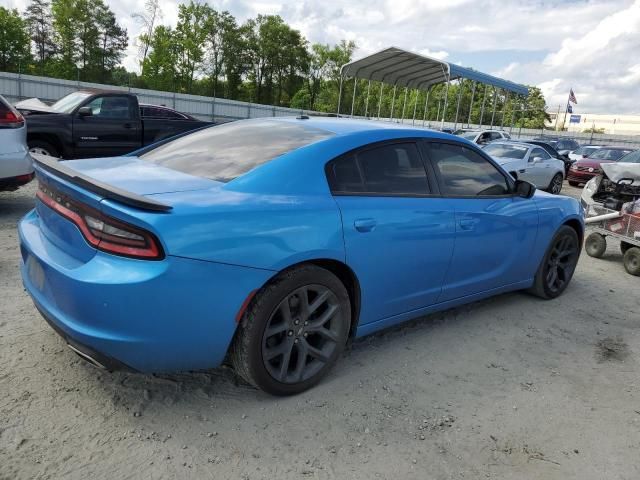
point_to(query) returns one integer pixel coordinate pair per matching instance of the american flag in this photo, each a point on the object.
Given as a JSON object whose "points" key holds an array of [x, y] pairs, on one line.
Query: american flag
{"points": [[572, 97]]}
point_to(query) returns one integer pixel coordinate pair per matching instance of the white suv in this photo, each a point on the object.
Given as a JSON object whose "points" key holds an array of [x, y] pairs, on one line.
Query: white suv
{"points": [[482, 137], [16, 167]]}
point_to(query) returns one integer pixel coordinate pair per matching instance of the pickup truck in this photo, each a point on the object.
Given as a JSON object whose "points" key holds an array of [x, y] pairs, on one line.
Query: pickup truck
{"points": [[99, 123]]}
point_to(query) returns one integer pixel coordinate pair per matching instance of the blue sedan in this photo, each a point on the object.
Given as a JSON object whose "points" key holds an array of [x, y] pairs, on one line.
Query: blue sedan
{"points": [[269, 243]]}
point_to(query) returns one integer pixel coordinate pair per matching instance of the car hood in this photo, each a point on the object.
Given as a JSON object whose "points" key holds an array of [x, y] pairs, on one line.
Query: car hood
{"points": [[138, 176], [505, 161], [618, 171], [590, 163], [34, 105]]}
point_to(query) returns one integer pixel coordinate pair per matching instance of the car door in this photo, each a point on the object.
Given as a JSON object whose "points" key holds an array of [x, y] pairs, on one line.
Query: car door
{"points": [[398, 235], [495, 229], [539, 171], [112, 128]]}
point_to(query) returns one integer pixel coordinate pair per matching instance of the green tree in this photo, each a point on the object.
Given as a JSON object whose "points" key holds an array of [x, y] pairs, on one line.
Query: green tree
{"points": [[65, 34], [15, 53], [159, 69], [190, 36], [38, 18]]}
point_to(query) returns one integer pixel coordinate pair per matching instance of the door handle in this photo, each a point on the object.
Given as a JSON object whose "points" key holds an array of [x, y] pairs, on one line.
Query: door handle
{"points": [[364, 224], [467, 224], [522, 170]]}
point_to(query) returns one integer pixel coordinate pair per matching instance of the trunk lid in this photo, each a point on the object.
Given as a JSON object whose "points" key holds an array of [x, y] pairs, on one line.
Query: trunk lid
{"points": [[126, 180]]}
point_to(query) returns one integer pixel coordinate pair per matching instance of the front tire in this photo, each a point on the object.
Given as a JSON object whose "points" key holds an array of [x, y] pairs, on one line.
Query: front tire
{"points": [[41, 147], [595, 245], [555, 187], [293, 331], [558, 264], [631, 261]]}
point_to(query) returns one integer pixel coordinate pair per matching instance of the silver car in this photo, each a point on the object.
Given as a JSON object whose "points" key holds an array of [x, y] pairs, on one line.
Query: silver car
{"points": [[529, 162], [16, 167]]}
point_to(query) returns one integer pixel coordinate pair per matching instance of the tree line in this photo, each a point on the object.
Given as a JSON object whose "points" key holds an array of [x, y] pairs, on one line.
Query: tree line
{"points": [[208, 52]]}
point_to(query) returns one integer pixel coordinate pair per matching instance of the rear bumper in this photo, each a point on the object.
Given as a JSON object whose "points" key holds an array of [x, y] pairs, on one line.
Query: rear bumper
{"points": [[172, 315], [16, 169]]}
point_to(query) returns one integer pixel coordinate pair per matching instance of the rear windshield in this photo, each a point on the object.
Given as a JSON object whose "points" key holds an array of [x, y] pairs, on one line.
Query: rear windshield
{"points": [[502, 150], [225, 152], [609, 154], [585, 150]]}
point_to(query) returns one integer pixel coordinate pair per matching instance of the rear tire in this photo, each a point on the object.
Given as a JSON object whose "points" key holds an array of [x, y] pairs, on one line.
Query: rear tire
{"points": [[631, 261], [555, 187], [595, 245], [293, 331], [43, 148], [558, 264]]}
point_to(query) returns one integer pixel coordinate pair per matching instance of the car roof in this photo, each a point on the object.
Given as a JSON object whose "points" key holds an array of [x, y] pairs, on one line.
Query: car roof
{"points": [[344, 126], [513, 142]]}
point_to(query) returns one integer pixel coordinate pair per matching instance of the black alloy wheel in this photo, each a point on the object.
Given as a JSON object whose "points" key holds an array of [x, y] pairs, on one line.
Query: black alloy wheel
{"points": [[558, 264]]}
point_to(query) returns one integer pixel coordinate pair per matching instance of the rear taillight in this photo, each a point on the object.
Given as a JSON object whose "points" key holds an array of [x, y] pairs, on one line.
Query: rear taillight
{"points": [[10, 117], [101, 231]]}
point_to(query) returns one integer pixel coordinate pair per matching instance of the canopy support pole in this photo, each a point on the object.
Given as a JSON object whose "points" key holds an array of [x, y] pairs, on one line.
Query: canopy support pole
{"points": [[495, 101], [380, 99], [473, 93], [415, 107], [353, 100], [484, 98], [426, 105], [520, 129], [446, 101], [366, 105], [393, 101], [504, 109], [404, 105], [460, 87], [339, 96], [513, 119]]}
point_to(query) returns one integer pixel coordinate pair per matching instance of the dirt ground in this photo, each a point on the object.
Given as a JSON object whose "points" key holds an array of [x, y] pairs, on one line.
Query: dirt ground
{"points": [[509, 388]]}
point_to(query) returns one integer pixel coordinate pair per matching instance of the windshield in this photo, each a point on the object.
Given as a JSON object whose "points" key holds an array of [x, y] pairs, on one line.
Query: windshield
{"points": [[468, 135], [502, 150], [585, 150], [633, 157], [71, 101], [227, 151], [461, 131], [608, 154]]}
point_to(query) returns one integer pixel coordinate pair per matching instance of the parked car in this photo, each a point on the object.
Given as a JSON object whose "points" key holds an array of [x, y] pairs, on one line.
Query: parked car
{"points": [[583, 152], [529, 162], [553, 152], [16, 168], [584, 170], [99, 123], [563, 145], [482, 137], [270, 242]]}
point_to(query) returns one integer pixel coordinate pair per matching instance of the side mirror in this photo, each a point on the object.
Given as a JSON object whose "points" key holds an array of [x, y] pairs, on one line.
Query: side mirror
{"points": [[85, 111], [536, 159], [524, 189]]}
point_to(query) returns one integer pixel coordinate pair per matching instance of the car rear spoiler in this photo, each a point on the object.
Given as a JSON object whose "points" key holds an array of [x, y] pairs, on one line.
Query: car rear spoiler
{"points": [[56, 167]]}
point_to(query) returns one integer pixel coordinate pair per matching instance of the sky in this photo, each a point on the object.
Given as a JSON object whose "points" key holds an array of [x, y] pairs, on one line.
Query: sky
{"points": [[588, 45]]}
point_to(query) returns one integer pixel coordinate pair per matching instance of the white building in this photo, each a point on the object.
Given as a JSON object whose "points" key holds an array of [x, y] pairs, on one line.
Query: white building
{"points": [[609, 124]]}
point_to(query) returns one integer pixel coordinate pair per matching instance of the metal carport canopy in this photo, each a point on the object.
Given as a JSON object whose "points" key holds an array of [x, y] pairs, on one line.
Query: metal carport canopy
{"points": [[402, 68]]}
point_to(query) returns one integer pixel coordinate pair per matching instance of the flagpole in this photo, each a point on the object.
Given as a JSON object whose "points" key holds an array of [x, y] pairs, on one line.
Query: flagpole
{"points": [[566, 109]]}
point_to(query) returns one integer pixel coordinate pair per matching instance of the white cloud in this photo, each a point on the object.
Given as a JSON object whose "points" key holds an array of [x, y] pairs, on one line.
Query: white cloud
{"points": [[590, 45]]}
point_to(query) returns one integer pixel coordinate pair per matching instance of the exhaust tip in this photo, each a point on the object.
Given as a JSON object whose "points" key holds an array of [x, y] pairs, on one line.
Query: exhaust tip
{"points": [[87, 357]]}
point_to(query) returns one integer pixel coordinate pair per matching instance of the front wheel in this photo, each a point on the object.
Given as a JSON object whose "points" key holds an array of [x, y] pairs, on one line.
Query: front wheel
{"points": [[557, 266], [555, 186], [43, 148], [595, 245], [293, 331], [631, 261]]}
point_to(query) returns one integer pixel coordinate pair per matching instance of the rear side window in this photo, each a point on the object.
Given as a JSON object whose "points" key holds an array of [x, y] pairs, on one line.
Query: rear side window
{"points": [[157, 112], [391, 169], [225, 152], [464, 172]]}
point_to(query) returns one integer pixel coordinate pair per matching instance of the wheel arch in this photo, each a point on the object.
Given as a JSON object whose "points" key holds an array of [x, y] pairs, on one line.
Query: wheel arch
{"points": [[49, 138], [344, 273], [577, 226]]}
